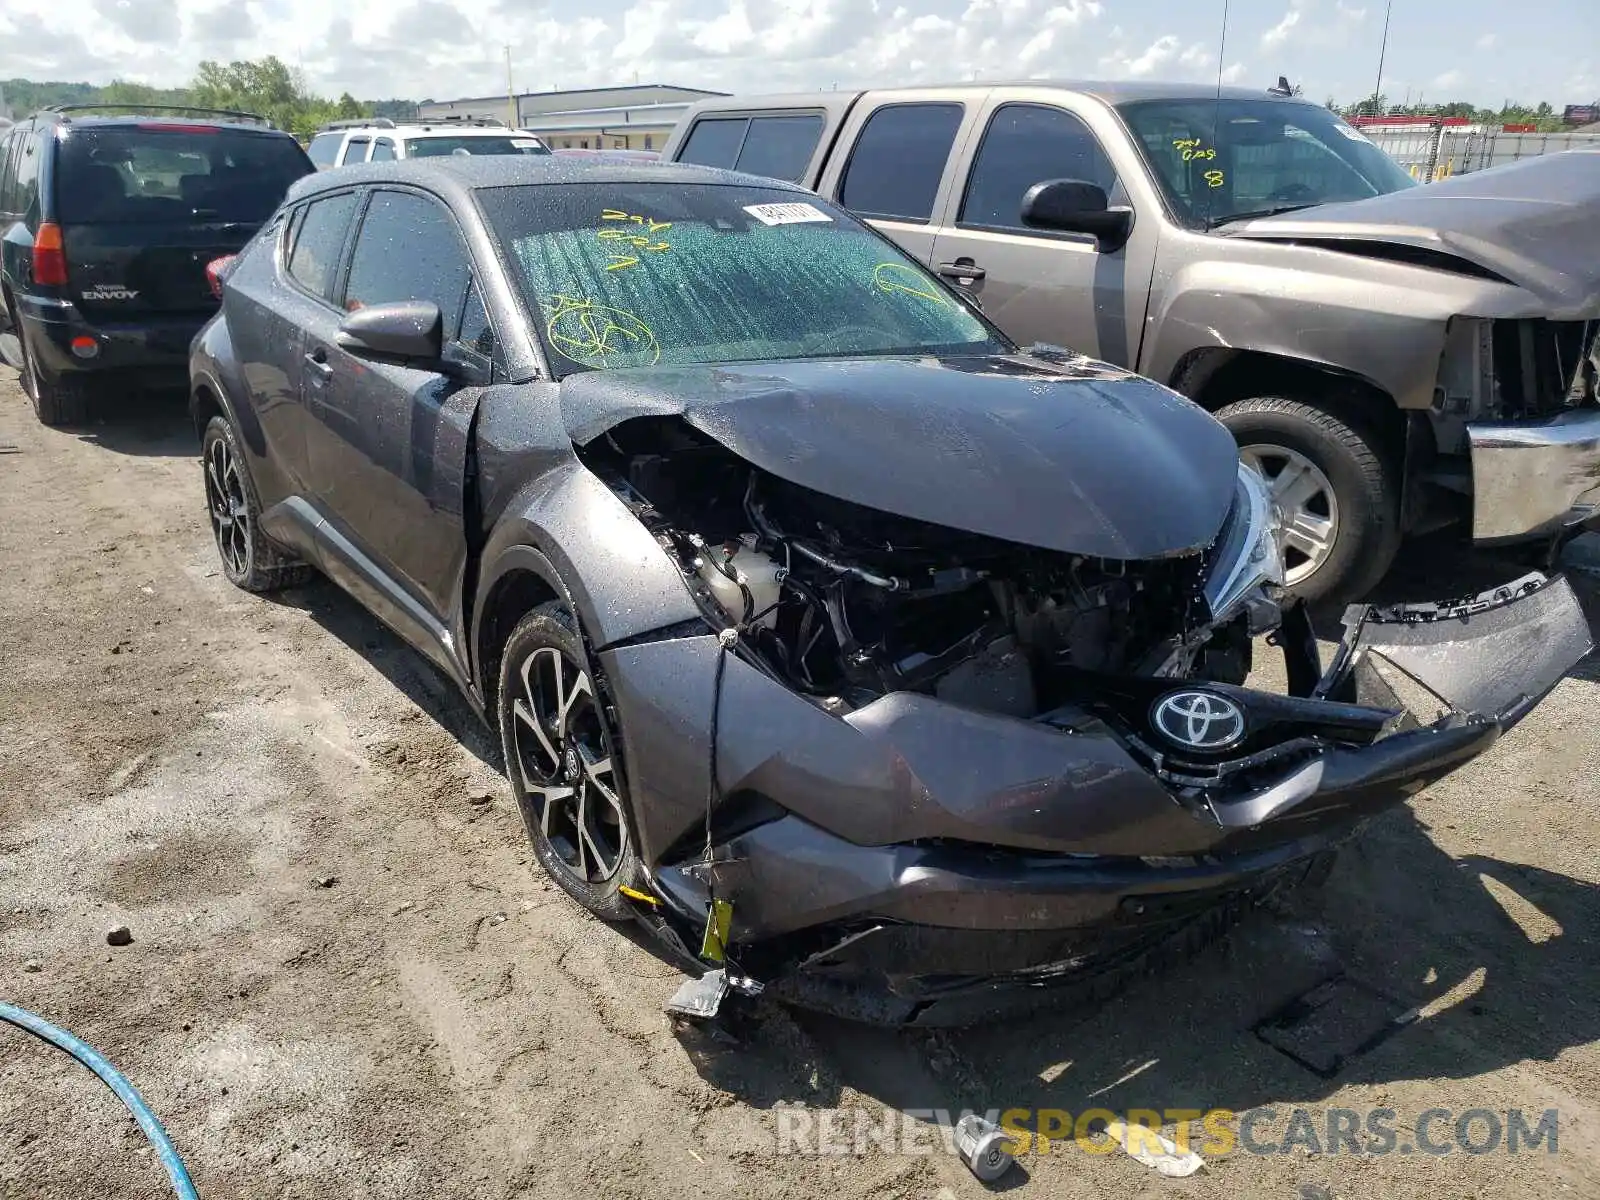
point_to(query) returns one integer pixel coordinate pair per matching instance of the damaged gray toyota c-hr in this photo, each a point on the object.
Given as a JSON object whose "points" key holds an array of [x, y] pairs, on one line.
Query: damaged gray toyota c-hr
{"points": [[828, 634]]}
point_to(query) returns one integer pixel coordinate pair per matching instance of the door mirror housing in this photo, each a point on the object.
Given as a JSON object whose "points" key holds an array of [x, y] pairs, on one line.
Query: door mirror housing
{"points": [[1076, 206], [409, 329]]}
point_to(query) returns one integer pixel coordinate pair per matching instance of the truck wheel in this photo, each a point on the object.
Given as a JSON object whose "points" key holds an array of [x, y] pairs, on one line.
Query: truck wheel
{"points": [[1336, 494], [64, 401]]}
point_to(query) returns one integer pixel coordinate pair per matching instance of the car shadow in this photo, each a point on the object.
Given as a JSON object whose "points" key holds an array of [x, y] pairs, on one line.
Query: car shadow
{"points": [[139, 423], [407, 670]]}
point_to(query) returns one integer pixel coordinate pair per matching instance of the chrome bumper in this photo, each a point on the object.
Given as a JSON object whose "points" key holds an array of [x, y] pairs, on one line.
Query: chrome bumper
{"points": [[1532, 478]]}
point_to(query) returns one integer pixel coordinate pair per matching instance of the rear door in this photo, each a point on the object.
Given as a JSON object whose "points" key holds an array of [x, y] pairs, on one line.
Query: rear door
{"points": [[143, 208], [898, 157]]}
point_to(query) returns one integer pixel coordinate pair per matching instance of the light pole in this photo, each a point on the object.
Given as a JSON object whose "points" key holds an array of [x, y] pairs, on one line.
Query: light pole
{"points": [[1383, 46]]}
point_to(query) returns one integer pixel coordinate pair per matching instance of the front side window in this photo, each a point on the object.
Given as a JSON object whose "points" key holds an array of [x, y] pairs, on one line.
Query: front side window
{"points": [[639, 274], [1220, 162], [1025, 144], [898, 161], [408, 249], [319, 235]]}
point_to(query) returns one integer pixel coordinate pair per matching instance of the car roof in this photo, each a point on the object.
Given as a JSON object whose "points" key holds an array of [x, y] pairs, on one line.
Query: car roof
{"points": [[1110, 91], [457, 177], [70, 120]]}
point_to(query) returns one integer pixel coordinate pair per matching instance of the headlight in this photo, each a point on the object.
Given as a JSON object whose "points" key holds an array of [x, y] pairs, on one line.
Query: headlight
{"points": [[1247, 555]]}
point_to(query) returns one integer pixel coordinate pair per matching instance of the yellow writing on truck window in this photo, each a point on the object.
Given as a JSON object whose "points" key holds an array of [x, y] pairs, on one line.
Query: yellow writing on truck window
{"points": [[1213, 179], [1191, 149]]}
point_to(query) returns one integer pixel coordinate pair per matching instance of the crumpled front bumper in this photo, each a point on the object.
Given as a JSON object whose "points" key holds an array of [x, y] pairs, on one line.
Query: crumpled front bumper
{"points": [[912, 838], [1535, 478]]}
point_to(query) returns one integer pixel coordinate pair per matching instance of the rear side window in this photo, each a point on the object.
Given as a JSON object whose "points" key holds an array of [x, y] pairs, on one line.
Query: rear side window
{"points": [[382, 150], [324, 149], [898, 160], [1024, 144], [319, 236], [138, 174], [714, 142], [8, 170], [409, 249], [355, 150], [780, 147], [777, 147], [26, 197]]}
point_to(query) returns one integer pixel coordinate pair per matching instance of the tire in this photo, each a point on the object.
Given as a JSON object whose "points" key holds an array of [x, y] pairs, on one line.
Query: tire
{"points": [[1362, 505], [564, 758], [62, 402], [249, 559]]}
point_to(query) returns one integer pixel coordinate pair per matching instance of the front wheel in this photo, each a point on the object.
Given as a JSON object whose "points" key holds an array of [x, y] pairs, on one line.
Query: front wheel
{"points": [[563, 759], [1334, 491]]}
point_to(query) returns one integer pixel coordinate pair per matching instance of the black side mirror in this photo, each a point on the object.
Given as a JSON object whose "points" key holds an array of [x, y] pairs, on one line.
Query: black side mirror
{"points": [[1074, 206], [411, 329]]}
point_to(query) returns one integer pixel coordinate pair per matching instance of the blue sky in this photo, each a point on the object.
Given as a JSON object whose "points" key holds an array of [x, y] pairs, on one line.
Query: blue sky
{"points": [[1463, 49]]}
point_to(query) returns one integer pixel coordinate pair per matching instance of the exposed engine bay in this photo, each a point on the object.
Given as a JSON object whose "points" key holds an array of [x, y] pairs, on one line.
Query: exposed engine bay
{"points": [[844, 603]]}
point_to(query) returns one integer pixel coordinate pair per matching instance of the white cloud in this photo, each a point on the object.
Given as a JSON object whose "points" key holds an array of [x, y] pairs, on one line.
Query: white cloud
{"points": [[1233, 73], [1448, 79], [1488, 41], [1279, 33]]}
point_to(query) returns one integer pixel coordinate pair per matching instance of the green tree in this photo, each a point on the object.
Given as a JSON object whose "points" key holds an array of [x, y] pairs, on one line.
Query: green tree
{"points": [[350, 108]]}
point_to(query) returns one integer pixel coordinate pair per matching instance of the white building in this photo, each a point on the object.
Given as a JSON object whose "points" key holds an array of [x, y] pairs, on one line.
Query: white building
{"points": [[635, 117]]}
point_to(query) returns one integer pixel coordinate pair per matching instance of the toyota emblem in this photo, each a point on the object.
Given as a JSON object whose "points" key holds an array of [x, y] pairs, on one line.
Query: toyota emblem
{"points": [[1198, 720]]}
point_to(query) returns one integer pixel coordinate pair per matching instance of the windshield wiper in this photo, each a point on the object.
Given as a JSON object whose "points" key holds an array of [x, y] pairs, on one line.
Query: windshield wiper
{"points": [[1259, 212]]}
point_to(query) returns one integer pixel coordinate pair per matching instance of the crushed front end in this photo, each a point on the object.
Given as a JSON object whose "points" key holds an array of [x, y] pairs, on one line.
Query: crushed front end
{"points": [[949, 771]]}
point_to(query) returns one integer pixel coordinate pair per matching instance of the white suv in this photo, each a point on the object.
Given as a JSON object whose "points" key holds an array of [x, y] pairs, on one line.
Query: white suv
{"points": [[340, 143]]}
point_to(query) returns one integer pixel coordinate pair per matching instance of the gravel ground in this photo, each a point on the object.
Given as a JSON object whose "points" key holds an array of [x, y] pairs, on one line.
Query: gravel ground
{"points": [[195, 763]]}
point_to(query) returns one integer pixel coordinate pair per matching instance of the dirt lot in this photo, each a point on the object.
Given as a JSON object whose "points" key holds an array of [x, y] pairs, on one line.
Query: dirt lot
{"points": [[190, 761]]}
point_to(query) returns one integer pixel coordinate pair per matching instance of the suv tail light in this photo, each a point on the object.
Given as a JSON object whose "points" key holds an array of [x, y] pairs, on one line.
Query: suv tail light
{"points": [[217, 272], [49, 256]]}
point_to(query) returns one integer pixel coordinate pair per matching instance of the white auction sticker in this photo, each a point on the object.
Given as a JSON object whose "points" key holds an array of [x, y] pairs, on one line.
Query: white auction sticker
{"points": [[788, 214]]}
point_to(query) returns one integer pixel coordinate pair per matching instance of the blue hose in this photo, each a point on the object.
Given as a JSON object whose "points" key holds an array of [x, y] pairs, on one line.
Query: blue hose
{"points": [[114, 1080]]}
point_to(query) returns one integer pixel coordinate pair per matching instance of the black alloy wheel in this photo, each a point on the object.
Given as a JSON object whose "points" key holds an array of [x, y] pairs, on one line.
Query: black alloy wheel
{"points": [[249, 560], [563, 762]]}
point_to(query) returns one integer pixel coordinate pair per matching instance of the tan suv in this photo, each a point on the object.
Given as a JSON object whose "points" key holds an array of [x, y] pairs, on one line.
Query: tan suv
{"points": [[1390, 356]]}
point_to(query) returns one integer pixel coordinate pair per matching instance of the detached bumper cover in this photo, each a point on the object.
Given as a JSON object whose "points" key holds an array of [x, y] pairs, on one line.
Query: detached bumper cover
{"points": [[1015, 847], [1531, 478]]}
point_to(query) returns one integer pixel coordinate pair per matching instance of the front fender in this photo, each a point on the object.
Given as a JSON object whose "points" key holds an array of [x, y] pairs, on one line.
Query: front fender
{"points": [[617, 576]]}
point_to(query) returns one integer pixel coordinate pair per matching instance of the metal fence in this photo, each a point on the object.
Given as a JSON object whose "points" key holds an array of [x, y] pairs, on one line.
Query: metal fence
{"points": [[1443, 151]]}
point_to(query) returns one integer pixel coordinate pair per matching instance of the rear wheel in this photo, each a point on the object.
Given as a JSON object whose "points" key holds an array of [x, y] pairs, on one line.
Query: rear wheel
{"points": [[63, 401], [564, 763], [1334, 489], [249, 559]]}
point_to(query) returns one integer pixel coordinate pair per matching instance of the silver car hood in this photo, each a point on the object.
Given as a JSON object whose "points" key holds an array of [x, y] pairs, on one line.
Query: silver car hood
{"points": [[1533, 223]]}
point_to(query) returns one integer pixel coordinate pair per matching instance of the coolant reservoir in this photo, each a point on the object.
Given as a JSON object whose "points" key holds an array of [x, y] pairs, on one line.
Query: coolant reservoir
{"points": [[760, 575]]}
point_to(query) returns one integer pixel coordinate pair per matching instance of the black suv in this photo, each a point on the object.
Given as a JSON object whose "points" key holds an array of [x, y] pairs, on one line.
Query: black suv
{"points": [[108, 225]]}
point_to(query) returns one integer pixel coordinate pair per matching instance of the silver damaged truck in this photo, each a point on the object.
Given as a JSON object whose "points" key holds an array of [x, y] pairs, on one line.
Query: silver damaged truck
{"points": [[1392, 357]]}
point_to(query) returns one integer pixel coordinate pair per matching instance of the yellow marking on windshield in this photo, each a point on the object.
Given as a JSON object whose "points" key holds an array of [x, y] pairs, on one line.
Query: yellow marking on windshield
{"points": [[638, 242], [892, 277], [1213, 179], [1191, 149], [598, 336]]}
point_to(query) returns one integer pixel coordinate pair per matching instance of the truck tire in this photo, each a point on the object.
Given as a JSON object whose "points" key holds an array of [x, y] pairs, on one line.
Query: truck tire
{"points": [[63, 401], [1338, 493]]}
